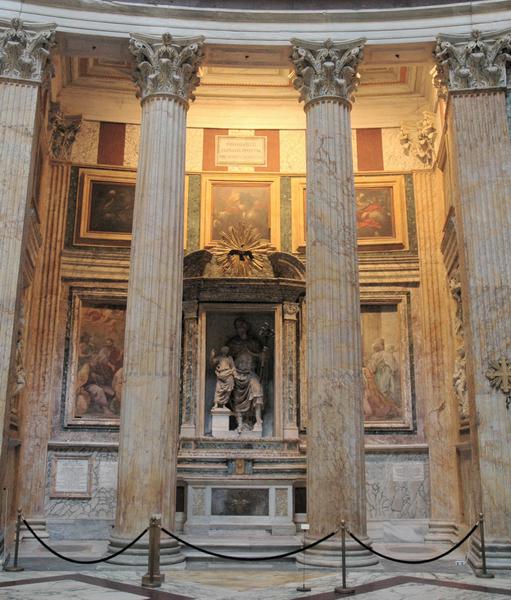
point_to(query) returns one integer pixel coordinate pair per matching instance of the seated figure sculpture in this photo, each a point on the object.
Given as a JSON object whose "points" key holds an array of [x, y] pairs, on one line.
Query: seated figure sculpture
{"points": [[247, 395]]}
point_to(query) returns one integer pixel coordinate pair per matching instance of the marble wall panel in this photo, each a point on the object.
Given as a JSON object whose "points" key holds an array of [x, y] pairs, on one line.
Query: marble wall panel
{"points": [[292, 151], [397, 486], [194, 149], [131, 144], [102, 503], [85, 147]]}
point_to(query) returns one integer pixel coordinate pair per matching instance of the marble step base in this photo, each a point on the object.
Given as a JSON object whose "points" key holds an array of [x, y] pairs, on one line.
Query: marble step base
{"points": [[328, 554], [256, 545], [498, 554], [170, 553]]}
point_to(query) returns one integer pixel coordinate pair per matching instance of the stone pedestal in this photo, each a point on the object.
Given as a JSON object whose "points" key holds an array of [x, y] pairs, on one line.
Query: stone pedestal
{"points": [[23, 68], [220, 422], [473, 75], [166, 77], [326, 77]]}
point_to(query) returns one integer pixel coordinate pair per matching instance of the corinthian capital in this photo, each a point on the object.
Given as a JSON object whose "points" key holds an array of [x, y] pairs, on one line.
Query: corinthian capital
{"points": [[63, 130], [167, 67], [326, 70], [24, 53], [477, 62]]}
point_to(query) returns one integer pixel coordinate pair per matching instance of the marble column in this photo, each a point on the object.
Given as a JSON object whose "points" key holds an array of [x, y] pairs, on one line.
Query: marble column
{"points": [[42, 384], [166, 76], [472, 73], [24, 54], [326, 76], [441, 414]]}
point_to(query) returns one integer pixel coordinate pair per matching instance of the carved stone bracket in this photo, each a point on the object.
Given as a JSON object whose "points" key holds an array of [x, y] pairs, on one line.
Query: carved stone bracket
{"points": [[168, 67], [475, 63], [63, 130], [326, 70], [24, 53], [420, 139], [499, 376]]}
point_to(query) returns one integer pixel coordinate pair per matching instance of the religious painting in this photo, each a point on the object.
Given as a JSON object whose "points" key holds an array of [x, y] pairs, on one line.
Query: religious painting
{"points": [[105, 208], [94, 391], [386, 364], [380, 213], [231, 200]]}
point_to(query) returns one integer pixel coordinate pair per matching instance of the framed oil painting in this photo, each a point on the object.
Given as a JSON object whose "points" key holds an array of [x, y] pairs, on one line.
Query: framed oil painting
{"points": [[231, 199], [386, 351], [95, 358], [380, 211], [104, 215]]}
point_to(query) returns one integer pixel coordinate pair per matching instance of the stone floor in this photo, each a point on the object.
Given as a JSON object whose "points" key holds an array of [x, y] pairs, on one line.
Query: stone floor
{"points": [[46, 578]]}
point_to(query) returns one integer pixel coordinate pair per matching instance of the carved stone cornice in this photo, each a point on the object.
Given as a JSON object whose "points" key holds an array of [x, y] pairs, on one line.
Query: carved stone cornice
{"points": [[62, 130], [474, 63], [326, 70], [24, 53], [167, 67]]}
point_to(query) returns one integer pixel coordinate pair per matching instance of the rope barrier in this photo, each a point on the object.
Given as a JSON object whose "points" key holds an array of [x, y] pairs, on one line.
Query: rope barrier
{"points": [[83, 562], [248, 558], [415, 562]]}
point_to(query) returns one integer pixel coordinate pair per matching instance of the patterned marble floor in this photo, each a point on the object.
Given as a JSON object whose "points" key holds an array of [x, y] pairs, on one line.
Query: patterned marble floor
{"points": [[240, 583]]}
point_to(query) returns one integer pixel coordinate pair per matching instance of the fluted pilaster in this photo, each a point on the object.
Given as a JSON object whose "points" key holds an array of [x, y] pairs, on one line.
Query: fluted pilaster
{"points": [[480, 149], [290, 369], [326, 77], [23, 64], [441, 413], [166, 75]]}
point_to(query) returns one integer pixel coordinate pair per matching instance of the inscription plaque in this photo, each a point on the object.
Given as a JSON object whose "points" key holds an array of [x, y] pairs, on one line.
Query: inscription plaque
{"points": [[246, 502], [71, 477], [408, 471], [234, 150]]}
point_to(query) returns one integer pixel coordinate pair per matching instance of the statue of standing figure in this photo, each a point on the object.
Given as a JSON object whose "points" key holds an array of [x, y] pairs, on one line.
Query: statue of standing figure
{"points": [[239, 367]]}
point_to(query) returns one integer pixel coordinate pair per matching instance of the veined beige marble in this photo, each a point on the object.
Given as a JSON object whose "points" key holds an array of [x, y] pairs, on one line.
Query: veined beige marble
{"points": [[441, 414], [149, 416], [194, 149], [292, 151], [131, 145], [480, 148], [335, 435], [85, 148]]}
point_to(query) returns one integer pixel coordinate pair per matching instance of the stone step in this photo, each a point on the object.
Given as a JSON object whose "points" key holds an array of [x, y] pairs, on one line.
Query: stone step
{"points": [[252, 546]]}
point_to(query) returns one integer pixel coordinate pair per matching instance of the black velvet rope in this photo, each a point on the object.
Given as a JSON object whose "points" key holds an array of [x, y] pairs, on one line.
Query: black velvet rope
{"points": [[83, 562], [248, 558], [416, 562]]}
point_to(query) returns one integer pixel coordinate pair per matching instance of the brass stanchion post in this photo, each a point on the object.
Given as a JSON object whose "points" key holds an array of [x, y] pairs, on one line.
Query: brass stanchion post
{"points": [[343, 589], [153, 578], [483, 573], [15, 567], [303, 587]]}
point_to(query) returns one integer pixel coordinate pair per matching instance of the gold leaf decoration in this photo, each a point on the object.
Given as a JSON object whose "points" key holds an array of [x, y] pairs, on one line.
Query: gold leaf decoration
{"points": [[240, 251]]}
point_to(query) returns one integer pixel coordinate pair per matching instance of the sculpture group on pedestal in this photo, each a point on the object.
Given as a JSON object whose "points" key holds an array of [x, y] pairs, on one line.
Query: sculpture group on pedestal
{"points": [[240, 367]]}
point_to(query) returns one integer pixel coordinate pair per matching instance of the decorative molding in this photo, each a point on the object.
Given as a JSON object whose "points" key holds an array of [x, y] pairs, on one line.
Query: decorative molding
{"points": [[168, 68], [472, 63], [24, 53], [499, 376], [420, 138], [63, 130], [326, 70], [291, 310]]}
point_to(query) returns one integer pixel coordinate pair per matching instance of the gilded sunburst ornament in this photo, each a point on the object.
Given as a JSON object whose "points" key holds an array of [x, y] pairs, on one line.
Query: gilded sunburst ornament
{"points": [[240, 251]]}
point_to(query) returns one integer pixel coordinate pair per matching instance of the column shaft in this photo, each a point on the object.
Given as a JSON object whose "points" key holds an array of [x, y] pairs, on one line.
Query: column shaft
{"points": [[481, 149], [149, 416]]}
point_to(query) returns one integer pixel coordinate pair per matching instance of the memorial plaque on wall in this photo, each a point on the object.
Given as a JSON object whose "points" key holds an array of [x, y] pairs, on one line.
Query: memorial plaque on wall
{"points": [[71, 477], [408, 471], [246, 150]]}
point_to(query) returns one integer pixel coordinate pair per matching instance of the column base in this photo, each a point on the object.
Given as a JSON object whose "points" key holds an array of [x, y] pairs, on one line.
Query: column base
{"points": [[137, 555], [498, 554], [328, 554], [38, 525], [442, 532]]}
